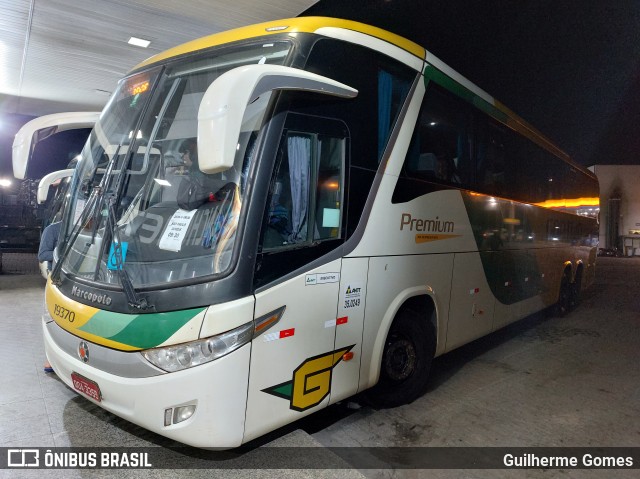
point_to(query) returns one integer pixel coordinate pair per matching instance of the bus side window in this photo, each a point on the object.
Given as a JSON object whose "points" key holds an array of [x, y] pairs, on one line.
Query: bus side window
{"points": [[440, 147], [306, 194], [329, 194], [278, 222], [491, 159]]}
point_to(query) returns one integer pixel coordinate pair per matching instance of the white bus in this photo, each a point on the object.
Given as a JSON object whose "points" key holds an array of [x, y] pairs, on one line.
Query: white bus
{"points": [[24, 144], [355, 209]]}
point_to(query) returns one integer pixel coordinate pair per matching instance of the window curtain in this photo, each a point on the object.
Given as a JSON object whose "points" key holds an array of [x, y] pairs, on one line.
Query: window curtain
{"points": [[299, 150], [385, 93], [389, 87]]}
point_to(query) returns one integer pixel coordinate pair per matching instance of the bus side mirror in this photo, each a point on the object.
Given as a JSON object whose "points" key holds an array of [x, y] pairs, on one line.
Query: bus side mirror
{"points": [[224, 104], [41, 128], [46, 181]]}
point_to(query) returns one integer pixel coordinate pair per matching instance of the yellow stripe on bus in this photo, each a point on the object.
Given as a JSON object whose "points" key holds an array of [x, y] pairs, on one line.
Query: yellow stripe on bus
{"points": [[69, 314], [289, 25]]}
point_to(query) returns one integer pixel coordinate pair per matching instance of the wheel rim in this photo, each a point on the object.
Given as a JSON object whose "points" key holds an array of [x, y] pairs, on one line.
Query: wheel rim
{"points": [[401, 359]]}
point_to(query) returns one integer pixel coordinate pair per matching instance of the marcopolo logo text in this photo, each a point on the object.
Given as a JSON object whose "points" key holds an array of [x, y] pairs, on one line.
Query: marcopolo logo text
{"points": [[89, 296]]}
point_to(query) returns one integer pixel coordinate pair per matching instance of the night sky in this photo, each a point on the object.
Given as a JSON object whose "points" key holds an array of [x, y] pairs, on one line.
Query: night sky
{"points": [[571, 68]]}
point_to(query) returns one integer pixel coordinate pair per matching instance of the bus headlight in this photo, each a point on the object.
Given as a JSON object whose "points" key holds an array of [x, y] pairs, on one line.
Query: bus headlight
{"points": [[186, 355]]}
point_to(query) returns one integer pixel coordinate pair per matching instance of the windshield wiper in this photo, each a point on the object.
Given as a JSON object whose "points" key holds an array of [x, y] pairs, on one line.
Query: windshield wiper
{"points": [[133, 299], [84, 216], [93, 204]]}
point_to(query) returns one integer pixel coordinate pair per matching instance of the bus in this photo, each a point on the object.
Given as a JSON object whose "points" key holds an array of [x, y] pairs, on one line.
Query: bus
{"points": [[269, 220], [54, 185]]}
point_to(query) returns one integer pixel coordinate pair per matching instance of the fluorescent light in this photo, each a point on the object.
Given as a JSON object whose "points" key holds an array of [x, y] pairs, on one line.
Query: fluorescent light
{"points": [[139, 42]]}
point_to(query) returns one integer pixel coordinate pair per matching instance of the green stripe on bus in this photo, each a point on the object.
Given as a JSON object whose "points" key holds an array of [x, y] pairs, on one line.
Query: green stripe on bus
{"points": [[141, 330], [510, 267], [431, 73]]}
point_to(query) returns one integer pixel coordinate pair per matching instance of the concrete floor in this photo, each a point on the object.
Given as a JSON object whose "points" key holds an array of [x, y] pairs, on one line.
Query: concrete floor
{"points": [[543, 381]]}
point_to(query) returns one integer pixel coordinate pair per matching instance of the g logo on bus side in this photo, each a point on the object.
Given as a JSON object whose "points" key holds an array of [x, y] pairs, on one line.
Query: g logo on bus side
{"points": [[311, 382]]}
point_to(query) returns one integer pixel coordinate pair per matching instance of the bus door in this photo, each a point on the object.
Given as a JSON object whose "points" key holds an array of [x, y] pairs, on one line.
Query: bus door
{"points": [[294, 360], [349, 325]]}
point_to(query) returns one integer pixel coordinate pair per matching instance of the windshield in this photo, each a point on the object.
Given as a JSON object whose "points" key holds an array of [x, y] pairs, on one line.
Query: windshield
{"points": [[140, 206]]}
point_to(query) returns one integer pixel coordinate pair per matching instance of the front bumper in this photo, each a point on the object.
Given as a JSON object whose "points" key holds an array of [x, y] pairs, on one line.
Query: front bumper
{"points": [[218, 390]]}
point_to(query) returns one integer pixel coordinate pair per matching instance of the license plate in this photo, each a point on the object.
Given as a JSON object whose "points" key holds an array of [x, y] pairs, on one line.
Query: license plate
{"points": [[86, 386]]}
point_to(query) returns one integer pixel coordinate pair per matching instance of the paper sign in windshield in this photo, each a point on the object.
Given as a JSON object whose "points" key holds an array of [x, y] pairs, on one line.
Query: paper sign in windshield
{"points": [[176, 230]]}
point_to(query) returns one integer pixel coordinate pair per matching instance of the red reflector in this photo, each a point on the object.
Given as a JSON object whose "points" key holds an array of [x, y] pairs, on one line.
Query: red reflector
{"points": [[342, 320], [347, 356], [285, 333]]}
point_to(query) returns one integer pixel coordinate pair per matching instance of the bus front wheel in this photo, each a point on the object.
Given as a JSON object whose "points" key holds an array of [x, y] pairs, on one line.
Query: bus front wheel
{"points": [[406, 361]]}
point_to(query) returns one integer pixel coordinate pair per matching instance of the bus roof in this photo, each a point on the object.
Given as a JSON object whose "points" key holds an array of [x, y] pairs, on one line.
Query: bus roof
{"points": [[288, 25]]}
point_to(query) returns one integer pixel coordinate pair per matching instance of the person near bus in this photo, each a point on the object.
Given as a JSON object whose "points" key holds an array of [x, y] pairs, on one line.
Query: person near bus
{"points": [[48, 243]]}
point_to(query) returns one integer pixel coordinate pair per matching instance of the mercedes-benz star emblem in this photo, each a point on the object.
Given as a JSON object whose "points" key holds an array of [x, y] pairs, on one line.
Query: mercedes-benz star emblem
{"points": [[83, 351]]}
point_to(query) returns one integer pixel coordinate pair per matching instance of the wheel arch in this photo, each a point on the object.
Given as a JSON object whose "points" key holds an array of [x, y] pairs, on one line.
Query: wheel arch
{"points": [[418, 299]]}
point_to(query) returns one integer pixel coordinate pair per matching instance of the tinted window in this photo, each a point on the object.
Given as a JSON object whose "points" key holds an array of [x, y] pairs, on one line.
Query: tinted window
{"points": [[440, 149], [382, 84], [456, 145]]}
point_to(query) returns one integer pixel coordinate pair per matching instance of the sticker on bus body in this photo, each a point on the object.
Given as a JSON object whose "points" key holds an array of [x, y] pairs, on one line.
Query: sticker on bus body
{"points": [[321, 278], [117, 250], [353, 296]]}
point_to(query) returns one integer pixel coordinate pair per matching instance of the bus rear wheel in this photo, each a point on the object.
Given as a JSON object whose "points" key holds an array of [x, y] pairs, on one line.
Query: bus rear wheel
{"points": [[406, 361], [576, 289], [563, 306]]}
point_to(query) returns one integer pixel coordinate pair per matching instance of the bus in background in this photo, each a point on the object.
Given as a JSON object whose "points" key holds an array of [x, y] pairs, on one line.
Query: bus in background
{"points": [[53, 191], [54, 185], [269, 220]]}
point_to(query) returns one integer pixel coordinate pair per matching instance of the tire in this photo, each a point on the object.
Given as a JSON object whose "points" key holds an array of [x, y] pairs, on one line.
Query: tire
{"points": [[563, 306], [406, 361], [576, 288]]}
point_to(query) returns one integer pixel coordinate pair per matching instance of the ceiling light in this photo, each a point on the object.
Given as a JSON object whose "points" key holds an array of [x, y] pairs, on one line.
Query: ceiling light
{"points": [[139, 42], [4, 182]]}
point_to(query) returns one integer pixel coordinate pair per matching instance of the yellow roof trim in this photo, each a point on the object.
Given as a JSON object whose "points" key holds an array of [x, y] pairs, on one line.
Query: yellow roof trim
{"points": [[291, 25]]}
